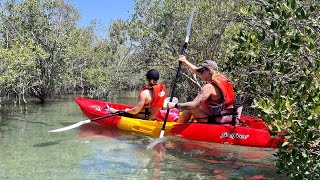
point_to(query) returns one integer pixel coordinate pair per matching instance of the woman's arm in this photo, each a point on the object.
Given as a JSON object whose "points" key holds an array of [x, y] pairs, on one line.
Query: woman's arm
{"points": [[141, 102], [201, 98], [189, 65]]}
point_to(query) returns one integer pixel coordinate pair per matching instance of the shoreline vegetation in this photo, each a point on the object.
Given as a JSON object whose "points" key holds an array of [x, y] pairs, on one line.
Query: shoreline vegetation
{"points": [[269, 49]]}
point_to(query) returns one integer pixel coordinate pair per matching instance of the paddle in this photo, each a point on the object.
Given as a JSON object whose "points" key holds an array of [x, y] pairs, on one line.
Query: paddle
{"points": [[184, 48], [118, 113], [174, 100]]}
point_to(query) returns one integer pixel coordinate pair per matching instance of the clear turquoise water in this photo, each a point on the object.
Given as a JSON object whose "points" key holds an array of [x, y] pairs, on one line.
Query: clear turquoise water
{"points": [[28, 151]]}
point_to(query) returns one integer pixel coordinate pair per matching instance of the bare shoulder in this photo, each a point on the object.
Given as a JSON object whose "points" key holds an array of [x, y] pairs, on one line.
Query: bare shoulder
{"points": [[145, 93], [208, 87]]}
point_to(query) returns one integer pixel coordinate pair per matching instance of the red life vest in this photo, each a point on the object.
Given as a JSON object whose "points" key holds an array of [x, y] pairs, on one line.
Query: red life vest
{"points": [[159, 95], [226, 89]]}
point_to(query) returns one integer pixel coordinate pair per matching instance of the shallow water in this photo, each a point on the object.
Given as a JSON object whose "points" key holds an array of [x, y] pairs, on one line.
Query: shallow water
{"points": [[28, 151]]}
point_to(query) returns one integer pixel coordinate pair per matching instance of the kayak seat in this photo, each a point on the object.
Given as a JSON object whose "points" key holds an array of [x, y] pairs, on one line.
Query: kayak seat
{"points": [[230, 116]]}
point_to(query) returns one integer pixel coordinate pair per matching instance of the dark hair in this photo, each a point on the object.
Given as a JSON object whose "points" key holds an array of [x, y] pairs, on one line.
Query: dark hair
{"points": [[152, 74]]}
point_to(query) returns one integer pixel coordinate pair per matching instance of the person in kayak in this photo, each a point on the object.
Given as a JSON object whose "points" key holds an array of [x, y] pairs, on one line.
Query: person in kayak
{"points": [[215, 97], [150, 99]]}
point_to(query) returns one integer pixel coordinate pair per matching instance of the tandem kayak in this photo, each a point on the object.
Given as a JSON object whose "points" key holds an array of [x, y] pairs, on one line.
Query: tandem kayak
{"points": [[252, 132]]}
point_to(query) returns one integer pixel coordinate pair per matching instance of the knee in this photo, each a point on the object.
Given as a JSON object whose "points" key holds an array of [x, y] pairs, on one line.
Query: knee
{"points": [[185, 116]]}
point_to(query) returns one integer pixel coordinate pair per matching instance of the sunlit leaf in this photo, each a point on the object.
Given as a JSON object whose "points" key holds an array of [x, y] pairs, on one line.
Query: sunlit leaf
{"points": [[285, 144]]}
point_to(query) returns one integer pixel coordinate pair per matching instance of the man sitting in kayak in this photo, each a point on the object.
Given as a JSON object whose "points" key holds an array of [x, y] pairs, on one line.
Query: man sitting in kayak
{"points": [[150, 100], [215, 97]]}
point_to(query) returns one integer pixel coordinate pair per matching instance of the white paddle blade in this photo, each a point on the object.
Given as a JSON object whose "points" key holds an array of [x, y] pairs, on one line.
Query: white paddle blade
{"points": [[189, 27], [174, 100], [157, 141], [72, 126], [161, 134]]}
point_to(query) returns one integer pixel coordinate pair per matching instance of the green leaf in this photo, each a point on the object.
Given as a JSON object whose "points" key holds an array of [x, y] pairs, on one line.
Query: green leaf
{"points": [[285, 7], [289, 121], [300, 13], [294, 46], [281, 68], [268, 111], [312, 8], [277, 105], [304, 154], [253, 38], [274, 25], [311, 47], [309, 30], [293, 4], [285, 144], [288, 104], [317, 73], [268, 22]]}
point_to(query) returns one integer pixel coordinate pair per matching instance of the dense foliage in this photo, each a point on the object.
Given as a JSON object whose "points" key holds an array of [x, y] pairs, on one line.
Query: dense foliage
{"points": [[45, 53], [276, 63], [159, 28], [268, 48]]}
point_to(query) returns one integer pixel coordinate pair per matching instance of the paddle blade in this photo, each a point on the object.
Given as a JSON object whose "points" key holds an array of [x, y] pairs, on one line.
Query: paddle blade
{"points": [[157, 141], [161, 134], [72, 126], [189, 27]]}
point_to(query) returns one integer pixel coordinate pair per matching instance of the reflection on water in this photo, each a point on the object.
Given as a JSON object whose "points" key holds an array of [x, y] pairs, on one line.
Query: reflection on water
{"points": [[28, 151], [177, 157]]}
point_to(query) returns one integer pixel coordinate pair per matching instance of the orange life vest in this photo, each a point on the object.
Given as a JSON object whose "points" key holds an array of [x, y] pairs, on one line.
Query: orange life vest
{"points": [[159, 95], [227, 91], [222, 109]]}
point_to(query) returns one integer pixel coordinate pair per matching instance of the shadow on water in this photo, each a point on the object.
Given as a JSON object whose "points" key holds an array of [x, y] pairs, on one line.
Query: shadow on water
{"points": [[46, 144], [32, 122]]}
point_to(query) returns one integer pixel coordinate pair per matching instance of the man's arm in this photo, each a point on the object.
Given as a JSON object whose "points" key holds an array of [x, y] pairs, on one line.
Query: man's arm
{"points": [[141, 102]]}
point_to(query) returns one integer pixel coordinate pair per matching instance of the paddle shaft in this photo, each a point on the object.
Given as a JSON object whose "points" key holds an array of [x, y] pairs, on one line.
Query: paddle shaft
{"points": [[174, 86], [183, 52], [118, 113]]}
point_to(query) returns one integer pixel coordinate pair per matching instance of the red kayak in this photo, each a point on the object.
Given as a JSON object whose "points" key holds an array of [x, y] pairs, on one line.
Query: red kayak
{"points": [[251, 132]]}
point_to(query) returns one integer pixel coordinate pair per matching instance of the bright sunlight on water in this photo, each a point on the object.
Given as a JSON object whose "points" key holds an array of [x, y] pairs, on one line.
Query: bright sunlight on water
{"points": [[28, 151]]}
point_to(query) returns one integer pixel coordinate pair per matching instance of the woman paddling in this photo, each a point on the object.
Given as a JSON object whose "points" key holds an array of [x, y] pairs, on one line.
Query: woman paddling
{"points": [[215, 96], [150, 99]]}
